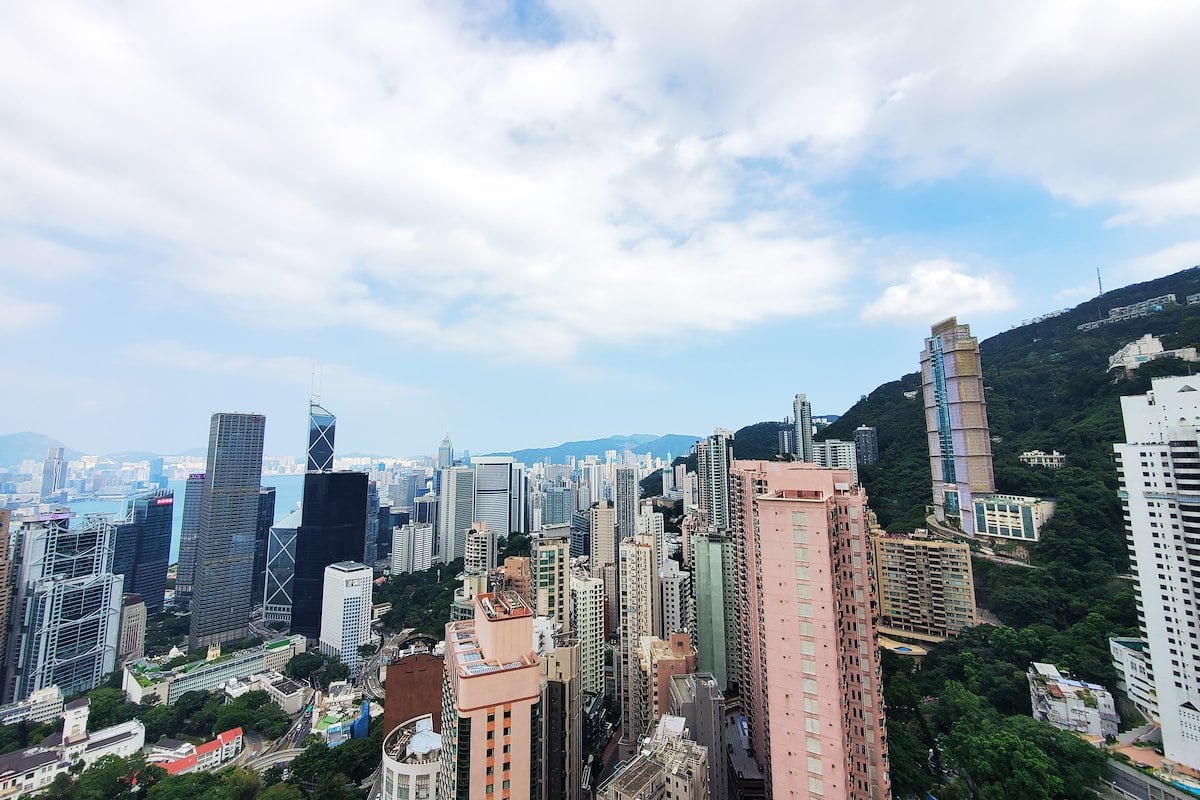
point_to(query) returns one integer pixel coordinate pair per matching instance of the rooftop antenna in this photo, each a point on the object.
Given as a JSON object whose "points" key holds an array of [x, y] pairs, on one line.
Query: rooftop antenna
{"points": [[314, 395], [1099, 283]]}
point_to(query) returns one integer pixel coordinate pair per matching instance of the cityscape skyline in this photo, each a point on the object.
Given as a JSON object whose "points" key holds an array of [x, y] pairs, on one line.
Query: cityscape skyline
{"points": [[575, 182]]}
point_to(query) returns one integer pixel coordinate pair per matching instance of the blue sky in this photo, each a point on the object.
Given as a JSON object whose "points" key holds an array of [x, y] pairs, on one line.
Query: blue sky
{"points": [[537, 222]]}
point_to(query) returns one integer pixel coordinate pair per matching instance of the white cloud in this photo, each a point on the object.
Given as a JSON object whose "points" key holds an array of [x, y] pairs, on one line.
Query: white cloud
{"points": [[1165, 261], [938, 289], [408, 169], [18, 314]]}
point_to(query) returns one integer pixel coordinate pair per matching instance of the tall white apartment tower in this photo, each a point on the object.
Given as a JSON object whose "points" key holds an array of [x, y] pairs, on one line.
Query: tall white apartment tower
{"points": [[1158, 465], [458, 512], [714, 454], [500, 493], [802, 442], [638, 611], [346, 611]]}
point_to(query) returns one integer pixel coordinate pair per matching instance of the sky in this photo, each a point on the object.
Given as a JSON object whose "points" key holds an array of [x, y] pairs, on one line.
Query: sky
{"points": [[543, 221]]}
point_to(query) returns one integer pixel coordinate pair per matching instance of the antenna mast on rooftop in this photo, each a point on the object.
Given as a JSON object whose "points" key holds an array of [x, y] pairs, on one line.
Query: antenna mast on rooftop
{"points": [[1099, 283]]}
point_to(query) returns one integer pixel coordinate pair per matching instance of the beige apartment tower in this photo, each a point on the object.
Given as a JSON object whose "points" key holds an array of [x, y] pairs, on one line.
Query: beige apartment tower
{"points": [[925, 586]]}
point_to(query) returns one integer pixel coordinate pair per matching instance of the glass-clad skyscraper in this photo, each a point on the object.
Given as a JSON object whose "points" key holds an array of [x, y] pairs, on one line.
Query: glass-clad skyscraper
{"points": [[281, 569], [185, 570], [143, 546], [228, 528], [266, 518], [333, 528], [321, 429]]}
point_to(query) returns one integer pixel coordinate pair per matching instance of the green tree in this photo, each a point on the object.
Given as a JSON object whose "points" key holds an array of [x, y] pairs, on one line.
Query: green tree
{"points": [[281, 791], [332, 787]]}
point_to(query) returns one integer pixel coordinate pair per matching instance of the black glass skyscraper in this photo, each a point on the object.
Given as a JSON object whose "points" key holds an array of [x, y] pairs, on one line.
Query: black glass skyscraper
{"points": [[321, 428], [228, 527], [266, 518], [333, 528], [142, 546]]}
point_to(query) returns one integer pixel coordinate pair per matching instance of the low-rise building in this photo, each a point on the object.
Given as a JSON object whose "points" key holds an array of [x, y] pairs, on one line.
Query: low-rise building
{"points": [[670, 766], [31, 770], [1148, 348], [286, 693], [1084, 708], [132, 642], [43, 705], [144, 678], [1038, 458], [1132, 663], [341, 714], [411, 755], [207, 757], [1011, 517]]}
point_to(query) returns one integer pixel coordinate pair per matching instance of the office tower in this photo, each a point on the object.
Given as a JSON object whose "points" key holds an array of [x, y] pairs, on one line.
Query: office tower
{"points": [[412, 548], [66, 620], [281, 569], [262, 538], [669, 767], [561, 711], [836, 454], [54, 473], [925, 585], [638, 579], [228, 524], [156, 472], [625, 502], [427, 511], [806, 607], [581, 533], [866, 444], [412, 752], [1157, 465], [698, 699], [333, 526], [131, 643], [407, 488], [372, 536], [445, 457], [142, 545], [560, 505], [675, 600], [500, 494], [6, 594], [457, 505], [717, 635], [482, 549], [602, 524], [550, 565], [587, 624], [802, 438], [713, 457], [491, 716], [960, 444], [383, 519], [185, 569], [346, 611], [322, 426]]}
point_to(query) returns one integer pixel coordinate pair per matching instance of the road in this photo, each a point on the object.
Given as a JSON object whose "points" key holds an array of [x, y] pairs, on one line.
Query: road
{"points": [[369, 674], [269, 760]]}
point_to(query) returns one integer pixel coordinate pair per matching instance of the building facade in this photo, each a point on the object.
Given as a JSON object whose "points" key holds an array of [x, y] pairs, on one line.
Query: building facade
{"points": [[713, 457], [228, 525], [333, 528], [458, 512], [956, 423], [346, 611], [836, 454], [802, 438], [412, 753], [281, 569], [866, 444], [587, 624], [189, 532], [811, 680], [142, 546], [638, 601], [1010, 516], [926, 590]]}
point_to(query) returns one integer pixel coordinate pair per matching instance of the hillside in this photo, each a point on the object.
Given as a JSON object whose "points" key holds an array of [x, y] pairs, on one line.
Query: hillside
{"points": [[27, 445], [640, 443]]}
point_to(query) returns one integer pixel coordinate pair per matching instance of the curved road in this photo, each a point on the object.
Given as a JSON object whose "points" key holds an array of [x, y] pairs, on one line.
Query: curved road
{"points": [[271, 759]]}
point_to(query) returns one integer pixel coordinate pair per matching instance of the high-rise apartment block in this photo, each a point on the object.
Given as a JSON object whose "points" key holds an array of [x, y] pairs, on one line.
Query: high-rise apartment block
{"points": [[866, 444], [189, 532], [716, 607], [811, 680], [561, 712], [6, 596], [491, 726], [675, 600], [836, 454], [625, 501], [714, 454], [1158, 466], [142, 545], [587, 625], [412, 548], [638, 573], [482, 549], [66, 621], [659, 660], [500, 494], [602, 524], [346, 611], [550, 563], [802, 420], [228, 525], [560, 505], [925, 586], [960, 444], [697, 698]]}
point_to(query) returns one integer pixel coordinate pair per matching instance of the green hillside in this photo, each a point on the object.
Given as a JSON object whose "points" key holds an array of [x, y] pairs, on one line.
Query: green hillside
{"points": [[1047, 388]]}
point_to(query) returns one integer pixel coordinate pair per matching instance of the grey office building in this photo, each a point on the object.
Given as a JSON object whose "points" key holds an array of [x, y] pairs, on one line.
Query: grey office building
{"points": [[228, 528], [625, 501], [185, 570], [142, 545]]}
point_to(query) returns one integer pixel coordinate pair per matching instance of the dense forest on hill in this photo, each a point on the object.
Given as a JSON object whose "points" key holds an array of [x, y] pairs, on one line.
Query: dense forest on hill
{"points": [[1048, 388]]}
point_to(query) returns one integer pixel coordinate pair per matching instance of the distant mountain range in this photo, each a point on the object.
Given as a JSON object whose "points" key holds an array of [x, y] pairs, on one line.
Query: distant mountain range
{"points": [[28, 446], [674, 444]]}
